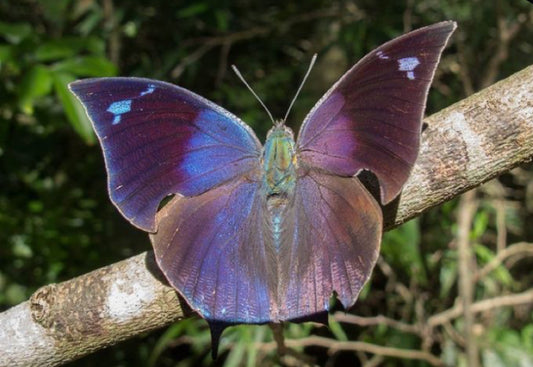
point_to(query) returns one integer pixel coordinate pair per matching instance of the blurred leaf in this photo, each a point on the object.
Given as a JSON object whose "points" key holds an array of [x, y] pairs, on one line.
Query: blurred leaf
{"points": [[58, 49], [6, 53], [501, 273], [37, 82], [15, 32], [527, 336], [193, 10], [54, 10], [506, 346], [92, 66], [449, 353], [448, 273], [20, 247], [91, 22], [491, 358], [73, 108], [164, 340], [222, 20], [130, 29], [401, 246], [15, 293], [481, 221], [237, 351], [337, 330]]}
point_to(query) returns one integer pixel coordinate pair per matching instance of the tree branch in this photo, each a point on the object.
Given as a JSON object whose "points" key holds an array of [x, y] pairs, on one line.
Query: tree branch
{"points": [[335, 345], [465, 145], [481, 306], [467, 210]]}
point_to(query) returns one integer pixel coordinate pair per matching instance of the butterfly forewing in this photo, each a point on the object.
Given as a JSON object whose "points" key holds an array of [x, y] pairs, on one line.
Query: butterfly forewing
{"points": [[371, 118], [159, 139]]}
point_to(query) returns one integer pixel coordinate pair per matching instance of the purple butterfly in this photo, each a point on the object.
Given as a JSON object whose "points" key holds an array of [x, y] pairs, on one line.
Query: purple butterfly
{"points": [[266, 234]]}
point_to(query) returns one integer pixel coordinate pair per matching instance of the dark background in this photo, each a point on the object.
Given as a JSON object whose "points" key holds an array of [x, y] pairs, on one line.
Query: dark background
{"points": [[56, 221]]}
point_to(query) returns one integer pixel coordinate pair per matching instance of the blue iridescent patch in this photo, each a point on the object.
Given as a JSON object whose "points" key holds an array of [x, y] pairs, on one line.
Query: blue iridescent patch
{"points": [[119, 108]]}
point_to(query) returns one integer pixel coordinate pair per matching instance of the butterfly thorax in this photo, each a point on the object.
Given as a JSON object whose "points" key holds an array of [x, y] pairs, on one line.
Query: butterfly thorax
{"points": [[279, 162]]}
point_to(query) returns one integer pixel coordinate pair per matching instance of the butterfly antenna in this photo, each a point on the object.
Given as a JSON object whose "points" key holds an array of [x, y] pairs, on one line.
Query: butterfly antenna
{"points": [[251, 90], [311, 64]]}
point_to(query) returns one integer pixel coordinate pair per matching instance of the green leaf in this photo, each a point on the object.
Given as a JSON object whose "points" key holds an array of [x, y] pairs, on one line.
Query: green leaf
{"points": [[15, 293], [481, 221], [501, 273], [337, 330], [236, 352], [15, 32], [20, 247], [58, 49], [75, 112], [448, 273], [491, 358], [164, 340], [6, 53], [35, 84], [94, 66], [193, 10], [222, 20], [259, 335], [527, 336], [401, 247]]}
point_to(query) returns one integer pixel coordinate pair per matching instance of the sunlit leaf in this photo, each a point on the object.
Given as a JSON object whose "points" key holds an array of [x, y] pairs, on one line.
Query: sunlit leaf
{"points": [[481, 221], [37, 82], [401, 247], [337, 330], [15, 32], [491, 358], [87, 66], [58, 49], [73, 109], [485, 255]]}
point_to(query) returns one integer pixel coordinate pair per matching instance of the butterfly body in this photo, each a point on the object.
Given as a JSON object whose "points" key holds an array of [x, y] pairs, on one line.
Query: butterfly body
{"points": [[258, 234]]}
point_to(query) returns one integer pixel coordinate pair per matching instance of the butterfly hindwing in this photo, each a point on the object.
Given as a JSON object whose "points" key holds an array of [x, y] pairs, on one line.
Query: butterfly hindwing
{"points": [[371, 118], [333, 232], [213, 248], [160, 139], [224, 262]]}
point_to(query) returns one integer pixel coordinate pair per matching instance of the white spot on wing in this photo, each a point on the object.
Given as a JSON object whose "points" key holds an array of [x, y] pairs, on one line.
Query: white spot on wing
{"points": [[382, 55], [149, 90], [119, 108], [408, 64]]}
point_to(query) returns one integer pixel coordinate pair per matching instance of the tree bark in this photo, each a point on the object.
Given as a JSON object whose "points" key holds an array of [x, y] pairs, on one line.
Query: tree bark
{"points": [[463, 146]]}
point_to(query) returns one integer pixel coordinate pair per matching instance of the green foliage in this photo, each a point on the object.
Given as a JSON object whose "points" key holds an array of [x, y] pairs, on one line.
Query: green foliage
{"points": [[56, 219]]}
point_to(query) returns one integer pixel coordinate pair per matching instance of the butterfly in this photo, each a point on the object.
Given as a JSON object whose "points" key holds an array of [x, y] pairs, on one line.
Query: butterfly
{"points": [[257, 234]]}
